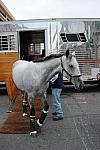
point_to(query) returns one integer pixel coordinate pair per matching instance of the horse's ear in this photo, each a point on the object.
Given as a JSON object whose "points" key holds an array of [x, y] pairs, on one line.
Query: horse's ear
{"points": [[67, 53], [73, 54]]}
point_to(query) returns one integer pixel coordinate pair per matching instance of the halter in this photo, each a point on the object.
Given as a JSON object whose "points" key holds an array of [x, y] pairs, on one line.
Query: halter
{"points": [[71, 76]]}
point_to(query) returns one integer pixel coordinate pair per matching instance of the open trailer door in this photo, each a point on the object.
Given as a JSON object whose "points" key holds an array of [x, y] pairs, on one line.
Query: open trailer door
{"points": [[32, 44]]}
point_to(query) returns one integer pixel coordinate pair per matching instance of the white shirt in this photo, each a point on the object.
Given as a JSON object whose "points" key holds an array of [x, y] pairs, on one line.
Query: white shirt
{"points": [[54, 78]]}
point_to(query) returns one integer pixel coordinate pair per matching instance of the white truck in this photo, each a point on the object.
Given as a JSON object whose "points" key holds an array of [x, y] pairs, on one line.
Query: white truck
{"points": [[36, 38]]}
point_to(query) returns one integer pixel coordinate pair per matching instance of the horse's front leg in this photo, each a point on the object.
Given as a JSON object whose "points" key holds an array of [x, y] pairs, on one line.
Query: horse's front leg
{"points": [[44, 111], [33, 131]]}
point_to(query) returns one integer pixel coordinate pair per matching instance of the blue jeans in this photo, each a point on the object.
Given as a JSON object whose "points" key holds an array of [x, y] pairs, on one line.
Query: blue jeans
{"points": [[56, 101]]}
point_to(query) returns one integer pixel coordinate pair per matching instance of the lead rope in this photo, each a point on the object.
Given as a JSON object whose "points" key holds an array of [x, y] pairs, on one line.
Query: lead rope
{"points": [[62, 65]]}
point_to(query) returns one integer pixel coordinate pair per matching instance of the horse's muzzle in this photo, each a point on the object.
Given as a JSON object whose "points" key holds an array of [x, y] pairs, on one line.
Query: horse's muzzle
{"points": [[80, 86]]}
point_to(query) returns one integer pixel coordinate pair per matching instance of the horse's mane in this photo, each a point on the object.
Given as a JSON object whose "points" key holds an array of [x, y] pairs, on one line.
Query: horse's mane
{"points": [[48, 57]]}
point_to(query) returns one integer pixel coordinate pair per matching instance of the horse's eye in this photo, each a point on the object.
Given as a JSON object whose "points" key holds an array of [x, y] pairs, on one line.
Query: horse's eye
{"points": [[71, 66]]}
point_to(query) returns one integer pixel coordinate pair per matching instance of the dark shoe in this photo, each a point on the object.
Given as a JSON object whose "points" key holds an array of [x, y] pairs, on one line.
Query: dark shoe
{"points": [[54, 113], [56, 118]]}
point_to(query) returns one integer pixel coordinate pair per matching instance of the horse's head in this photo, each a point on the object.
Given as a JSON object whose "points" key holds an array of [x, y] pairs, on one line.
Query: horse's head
{"points": [[71, 70]]}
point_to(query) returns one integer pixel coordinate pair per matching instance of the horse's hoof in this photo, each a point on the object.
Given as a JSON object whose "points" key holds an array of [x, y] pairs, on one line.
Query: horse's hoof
{"points": [[38, 128], [25, 114], [33, 134], [9, 111]]}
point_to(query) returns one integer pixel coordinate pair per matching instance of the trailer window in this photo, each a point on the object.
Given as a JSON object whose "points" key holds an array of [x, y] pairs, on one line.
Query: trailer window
{"points": [[7, 43], [78, 37], [36, 48]]}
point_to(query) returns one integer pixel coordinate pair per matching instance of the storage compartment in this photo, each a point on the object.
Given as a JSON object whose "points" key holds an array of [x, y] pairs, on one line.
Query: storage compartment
{"points": [[6, 61]]}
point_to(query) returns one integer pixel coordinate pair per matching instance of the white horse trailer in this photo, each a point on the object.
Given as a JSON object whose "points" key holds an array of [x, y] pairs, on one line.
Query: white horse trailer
{"points": [[33, 39]]}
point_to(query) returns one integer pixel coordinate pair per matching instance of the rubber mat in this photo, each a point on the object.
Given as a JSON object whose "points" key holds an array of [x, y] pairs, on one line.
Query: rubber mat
{"points": [[16, 123]]}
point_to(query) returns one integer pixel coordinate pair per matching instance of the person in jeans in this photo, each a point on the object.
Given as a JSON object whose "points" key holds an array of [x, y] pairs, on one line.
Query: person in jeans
{"points": [[56, 84]]}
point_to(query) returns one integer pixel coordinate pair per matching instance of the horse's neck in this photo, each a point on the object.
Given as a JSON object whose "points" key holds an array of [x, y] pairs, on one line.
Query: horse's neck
{"points": [[52, 66]]}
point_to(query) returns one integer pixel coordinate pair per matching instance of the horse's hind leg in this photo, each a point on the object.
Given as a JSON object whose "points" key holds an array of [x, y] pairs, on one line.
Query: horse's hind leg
{"points": [[24, 101], [33, 131]]}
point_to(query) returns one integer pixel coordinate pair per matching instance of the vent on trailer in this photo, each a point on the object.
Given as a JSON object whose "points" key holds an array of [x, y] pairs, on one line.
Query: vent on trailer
{"points": [[7, 42], [78, 37]]}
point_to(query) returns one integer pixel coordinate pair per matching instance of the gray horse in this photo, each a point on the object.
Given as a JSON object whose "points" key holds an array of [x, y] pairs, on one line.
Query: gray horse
{"points": [[33, 78]]}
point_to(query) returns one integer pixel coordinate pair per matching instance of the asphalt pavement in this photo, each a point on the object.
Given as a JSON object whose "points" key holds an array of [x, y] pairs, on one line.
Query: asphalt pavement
{"points": [[79, 130]]}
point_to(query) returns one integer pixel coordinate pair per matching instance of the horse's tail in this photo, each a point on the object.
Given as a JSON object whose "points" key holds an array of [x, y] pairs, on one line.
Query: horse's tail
{"points": [[18, 71]]}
